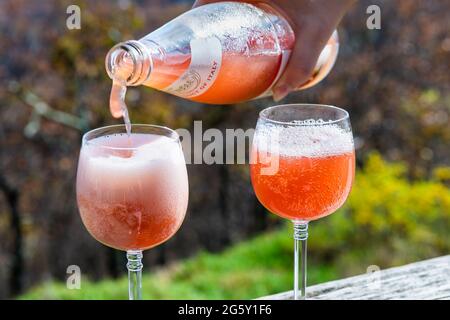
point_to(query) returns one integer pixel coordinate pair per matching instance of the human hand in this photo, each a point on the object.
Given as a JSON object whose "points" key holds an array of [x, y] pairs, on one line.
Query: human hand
{"points": [[313, 22]]}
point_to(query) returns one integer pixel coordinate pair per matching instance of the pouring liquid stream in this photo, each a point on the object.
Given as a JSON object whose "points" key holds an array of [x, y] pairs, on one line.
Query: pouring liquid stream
{"points": [[117, 104]]}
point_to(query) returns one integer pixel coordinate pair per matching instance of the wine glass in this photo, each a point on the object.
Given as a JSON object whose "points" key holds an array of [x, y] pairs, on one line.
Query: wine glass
{"points": [[132, 190], [302, 168]]}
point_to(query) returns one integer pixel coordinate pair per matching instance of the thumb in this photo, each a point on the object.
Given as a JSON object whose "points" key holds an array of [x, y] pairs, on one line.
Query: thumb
{"points": [[310, 39], [198, 3], [298, 70]]}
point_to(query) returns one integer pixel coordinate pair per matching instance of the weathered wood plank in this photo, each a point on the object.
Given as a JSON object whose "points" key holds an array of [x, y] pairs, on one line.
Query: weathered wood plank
{"points": [[429, 279]]}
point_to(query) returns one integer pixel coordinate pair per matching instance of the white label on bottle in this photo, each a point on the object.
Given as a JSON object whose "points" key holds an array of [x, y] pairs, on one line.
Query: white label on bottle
{"points": [[284, 60], [206, 60]]}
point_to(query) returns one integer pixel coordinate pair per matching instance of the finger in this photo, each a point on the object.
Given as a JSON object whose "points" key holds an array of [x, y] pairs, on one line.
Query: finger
{"points": [[198, 3], [298, 70], [311, 38]]}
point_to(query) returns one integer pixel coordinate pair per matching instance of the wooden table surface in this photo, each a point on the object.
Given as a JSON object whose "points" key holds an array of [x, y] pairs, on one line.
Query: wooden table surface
{"points": [[428, 279]]}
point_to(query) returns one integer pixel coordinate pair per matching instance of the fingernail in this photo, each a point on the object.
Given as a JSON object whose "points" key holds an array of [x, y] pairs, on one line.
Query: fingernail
{"points": [[280, 92]]}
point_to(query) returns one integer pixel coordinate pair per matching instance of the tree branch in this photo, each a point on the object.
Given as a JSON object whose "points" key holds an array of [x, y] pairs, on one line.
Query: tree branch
{"points": [[41, 109]]}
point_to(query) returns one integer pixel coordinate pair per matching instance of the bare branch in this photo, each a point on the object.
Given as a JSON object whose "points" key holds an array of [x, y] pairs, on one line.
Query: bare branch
{"points": [[41, 109]]}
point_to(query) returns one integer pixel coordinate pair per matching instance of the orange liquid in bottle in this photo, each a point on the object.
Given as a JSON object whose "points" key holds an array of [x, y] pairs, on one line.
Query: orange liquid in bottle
{"points": [[240, 77]]}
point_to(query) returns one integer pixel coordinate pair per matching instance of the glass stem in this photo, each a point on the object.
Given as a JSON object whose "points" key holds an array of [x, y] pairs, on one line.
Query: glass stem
{"points": [[300, 238], [134, 266]]}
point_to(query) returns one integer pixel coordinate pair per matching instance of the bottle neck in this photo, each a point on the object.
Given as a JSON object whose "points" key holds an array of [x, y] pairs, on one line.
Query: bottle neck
{"points": [[129, 62]]}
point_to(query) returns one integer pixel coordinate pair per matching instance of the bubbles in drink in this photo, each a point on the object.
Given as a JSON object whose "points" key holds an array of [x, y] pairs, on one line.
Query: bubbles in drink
{"points": [[310, 122], [307, 138], [132, 191], [314, 167]]}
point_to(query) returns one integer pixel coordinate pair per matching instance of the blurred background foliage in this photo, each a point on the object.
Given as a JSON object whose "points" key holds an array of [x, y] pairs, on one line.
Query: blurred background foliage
{"points": [[393, 81]]}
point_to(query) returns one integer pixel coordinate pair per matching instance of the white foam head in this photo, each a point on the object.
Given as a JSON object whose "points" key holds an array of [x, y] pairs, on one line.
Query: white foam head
{"points": [[306, 138], [110, 163]]}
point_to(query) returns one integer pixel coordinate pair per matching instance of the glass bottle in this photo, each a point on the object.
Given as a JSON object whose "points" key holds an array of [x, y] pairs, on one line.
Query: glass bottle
{"points": [[220, 53]]}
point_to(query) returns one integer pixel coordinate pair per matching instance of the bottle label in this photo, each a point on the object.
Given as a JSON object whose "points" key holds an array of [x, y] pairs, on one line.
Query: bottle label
{"points": [[206, 60]]}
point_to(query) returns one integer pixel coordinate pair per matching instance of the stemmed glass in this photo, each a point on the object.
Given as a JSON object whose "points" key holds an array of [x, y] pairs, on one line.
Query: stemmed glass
{"points": [[302, 168], [132, 190]]}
